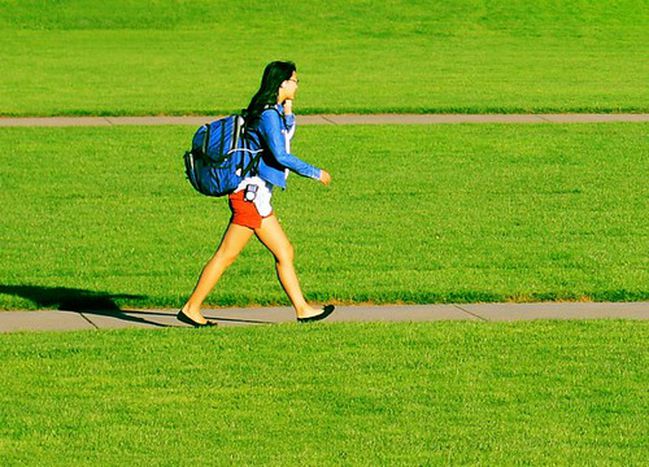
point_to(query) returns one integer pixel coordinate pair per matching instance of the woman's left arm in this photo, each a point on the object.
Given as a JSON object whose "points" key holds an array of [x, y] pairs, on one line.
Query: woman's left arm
{"points": [[270, 128]]}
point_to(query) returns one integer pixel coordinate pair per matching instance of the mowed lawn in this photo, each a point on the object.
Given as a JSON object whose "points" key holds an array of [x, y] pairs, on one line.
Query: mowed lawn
{"points": [[127, 57], [422, 214], [392, 394]]}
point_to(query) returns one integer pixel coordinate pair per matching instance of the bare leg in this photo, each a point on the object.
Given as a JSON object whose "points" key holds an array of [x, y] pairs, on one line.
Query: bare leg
{"points": [[234, 239], [273, 237]]}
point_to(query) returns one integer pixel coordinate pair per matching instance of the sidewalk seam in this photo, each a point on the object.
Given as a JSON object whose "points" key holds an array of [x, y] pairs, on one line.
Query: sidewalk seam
{"points": [[481, 318], [88, 319], [328, 120]]}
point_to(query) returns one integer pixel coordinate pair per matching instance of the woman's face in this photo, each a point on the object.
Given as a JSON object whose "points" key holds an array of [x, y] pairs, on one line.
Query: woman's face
{"points": [[290, 86]]}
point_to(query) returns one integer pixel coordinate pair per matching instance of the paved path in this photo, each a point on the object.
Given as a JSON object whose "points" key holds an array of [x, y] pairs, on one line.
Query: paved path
{"points": [[55, 320], [393, 119]]}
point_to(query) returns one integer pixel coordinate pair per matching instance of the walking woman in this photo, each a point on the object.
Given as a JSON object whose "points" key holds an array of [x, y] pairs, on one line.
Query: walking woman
{"points": [[270, 125]]}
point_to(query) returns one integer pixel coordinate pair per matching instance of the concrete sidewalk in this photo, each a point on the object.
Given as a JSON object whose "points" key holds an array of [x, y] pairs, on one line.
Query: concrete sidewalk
{"points": [[349, 119], [56, 320]]}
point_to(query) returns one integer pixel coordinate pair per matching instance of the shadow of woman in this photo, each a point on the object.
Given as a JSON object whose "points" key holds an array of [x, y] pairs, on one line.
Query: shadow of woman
{"points": [[77, 300]]}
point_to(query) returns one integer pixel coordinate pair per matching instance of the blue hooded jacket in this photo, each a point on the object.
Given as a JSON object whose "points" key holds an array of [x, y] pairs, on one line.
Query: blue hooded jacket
{"points": [[269, 134]]}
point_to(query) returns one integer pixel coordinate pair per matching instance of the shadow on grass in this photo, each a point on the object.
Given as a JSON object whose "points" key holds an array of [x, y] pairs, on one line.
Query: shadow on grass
{"points": [[77, 300], [90, 302]]}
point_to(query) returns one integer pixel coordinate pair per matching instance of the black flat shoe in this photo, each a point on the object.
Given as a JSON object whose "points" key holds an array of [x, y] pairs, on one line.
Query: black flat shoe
{"points": [[183, 318], [326, 311]]}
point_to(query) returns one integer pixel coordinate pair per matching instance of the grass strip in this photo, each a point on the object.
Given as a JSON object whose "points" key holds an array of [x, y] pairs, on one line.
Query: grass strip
{"points": [[425, 393], [128, 57], [415, 214]]}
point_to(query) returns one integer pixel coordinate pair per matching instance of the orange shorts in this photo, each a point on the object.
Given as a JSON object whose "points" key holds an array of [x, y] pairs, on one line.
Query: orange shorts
{"points": [[244, 212]]}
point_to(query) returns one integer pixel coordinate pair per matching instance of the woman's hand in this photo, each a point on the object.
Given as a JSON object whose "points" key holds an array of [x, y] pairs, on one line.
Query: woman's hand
{"points": [[288, 106], [325, 178]]}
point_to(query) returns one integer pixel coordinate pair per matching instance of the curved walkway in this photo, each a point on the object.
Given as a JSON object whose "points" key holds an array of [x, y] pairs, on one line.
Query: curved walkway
{"points": [[57, 320], [349, 119]]}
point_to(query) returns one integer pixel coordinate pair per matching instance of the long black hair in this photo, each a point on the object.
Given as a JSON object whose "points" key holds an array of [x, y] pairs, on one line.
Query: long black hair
{"points": [[274, 75]]}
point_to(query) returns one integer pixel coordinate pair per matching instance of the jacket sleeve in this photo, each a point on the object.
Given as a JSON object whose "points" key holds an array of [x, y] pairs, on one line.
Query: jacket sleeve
{"points": [[270, 127], [290, 123]]}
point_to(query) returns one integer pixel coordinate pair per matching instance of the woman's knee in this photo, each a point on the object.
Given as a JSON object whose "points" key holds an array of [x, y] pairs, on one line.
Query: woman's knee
{"points": [[285, 255], [224, 257]]}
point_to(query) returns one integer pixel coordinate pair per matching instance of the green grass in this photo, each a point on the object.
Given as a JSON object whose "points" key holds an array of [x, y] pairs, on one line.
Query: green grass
{"points": [[132, 57], [370, 394], [422, 214]]}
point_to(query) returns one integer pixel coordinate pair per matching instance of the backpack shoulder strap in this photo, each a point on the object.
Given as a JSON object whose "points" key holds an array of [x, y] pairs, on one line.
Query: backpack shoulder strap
{"points": [[281, 115], [206, 139]]}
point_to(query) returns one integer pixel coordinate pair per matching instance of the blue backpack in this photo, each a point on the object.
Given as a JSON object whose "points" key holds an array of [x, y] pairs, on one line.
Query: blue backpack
{"points": [[219, 159]]}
